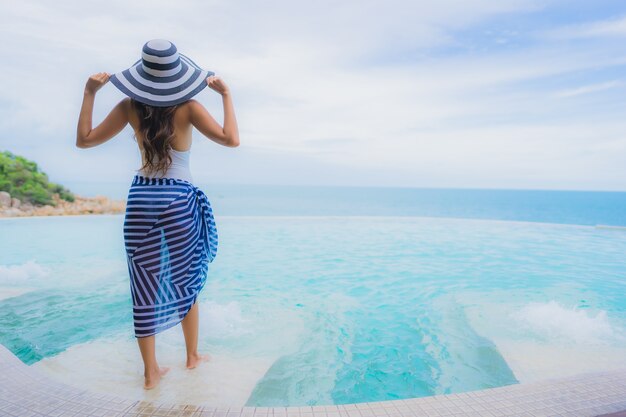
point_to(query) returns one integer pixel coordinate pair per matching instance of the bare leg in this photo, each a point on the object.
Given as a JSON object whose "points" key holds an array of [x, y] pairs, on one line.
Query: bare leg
{"points": [[152, 373], [190, 330]]}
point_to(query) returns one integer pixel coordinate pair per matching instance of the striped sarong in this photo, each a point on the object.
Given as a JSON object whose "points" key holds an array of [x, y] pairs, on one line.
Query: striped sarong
{"points": [[170, 239]]}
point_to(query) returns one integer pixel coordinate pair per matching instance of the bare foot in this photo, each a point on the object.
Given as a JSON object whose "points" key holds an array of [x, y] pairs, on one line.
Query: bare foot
{"points": [[195, 360], [152, 380]]}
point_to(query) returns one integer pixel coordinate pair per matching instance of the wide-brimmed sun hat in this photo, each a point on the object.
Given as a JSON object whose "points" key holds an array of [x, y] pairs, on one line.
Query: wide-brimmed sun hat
{"points": [[162, 77]]}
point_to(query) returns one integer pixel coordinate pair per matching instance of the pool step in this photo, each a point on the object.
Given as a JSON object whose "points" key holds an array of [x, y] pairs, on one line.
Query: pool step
{"points": [[25, 391]]}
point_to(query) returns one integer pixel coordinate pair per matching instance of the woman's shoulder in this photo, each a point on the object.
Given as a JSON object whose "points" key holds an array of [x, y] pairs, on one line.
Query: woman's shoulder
{"points": [[193, 105], [184, 111], [194, 110]]}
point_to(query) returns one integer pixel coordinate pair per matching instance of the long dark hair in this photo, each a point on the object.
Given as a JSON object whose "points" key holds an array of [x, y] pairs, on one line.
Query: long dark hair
{"points": [[156, 125]]}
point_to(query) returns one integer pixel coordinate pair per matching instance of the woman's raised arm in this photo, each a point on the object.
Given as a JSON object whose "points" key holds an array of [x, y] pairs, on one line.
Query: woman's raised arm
{"points": [[86, 137], [207, 125]]}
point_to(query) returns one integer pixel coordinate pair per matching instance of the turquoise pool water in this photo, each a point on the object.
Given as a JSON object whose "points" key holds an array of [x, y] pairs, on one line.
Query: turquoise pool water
{"points": [[307, 310]]}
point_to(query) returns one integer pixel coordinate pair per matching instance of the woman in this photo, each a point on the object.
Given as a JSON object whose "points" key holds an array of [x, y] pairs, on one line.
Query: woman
{"points": [[169, 230]]}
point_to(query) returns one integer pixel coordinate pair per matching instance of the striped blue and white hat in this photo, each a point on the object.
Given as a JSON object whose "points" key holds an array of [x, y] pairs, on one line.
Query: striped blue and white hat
{"points": [[162, 77]]}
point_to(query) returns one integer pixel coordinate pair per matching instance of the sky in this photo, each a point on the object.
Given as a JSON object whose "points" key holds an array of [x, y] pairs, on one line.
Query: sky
{"points": [[519, 94]]}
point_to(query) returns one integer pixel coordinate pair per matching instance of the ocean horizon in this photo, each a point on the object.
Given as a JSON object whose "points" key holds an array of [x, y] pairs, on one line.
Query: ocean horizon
{"points": [[592, 208]]}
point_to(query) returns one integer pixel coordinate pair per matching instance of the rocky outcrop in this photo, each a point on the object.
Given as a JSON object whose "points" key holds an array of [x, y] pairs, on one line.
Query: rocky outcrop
{"points": [[13, 207], [5, 199]]}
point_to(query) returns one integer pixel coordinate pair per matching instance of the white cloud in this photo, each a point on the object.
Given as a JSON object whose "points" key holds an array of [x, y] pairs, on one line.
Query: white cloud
{"points": [[341, 87], [588, 89], [615, 27]]}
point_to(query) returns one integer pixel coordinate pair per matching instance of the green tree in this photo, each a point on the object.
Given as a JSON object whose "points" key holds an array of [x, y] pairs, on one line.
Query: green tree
{"points": [[23, 179]]}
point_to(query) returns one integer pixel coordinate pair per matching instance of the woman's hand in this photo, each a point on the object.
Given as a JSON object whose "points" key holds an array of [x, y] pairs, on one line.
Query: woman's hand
{"points": [[217, 84], [96, 81]]}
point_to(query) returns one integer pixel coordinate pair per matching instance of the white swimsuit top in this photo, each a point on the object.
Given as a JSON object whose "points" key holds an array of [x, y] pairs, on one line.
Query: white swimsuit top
{"points": [[179, 168]]}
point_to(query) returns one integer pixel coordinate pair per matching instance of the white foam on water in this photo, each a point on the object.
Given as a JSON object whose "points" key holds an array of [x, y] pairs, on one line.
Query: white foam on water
{"points": [[22, 274], [19, 279], [29, 276], [552, 320], [549, 339], [223, 320]]}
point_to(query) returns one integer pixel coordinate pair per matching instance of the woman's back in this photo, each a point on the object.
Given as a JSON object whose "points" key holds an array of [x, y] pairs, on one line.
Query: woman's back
{"points": [[182, 126], [180, 144]]}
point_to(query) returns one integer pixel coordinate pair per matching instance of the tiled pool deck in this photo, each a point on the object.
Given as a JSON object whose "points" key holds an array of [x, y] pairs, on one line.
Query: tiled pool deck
{"points": [[25, 391]]}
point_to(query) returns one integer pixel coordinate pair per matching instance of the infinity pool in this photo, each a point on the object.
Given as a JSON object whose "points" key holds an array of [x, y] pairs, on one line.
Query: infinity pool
{"points": [[326, 310]]}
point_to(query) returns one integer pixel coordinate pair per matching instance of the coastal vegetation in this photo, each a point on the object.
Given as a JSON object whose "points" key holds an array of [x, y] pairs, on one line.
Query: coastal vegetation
{"points": [[24, 180], [26, 191]]}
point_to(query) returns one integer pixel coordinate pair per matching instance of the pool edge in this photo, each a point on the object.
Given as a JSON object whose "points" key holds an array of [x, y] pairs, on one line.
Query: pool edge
{"points": [[27, 391]]}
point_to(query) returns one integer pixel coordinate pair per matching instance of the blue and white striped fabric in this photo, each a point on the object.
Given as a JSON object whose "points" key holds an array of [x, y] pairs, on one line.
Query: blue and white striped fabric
{"points": [[170, 239]]}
